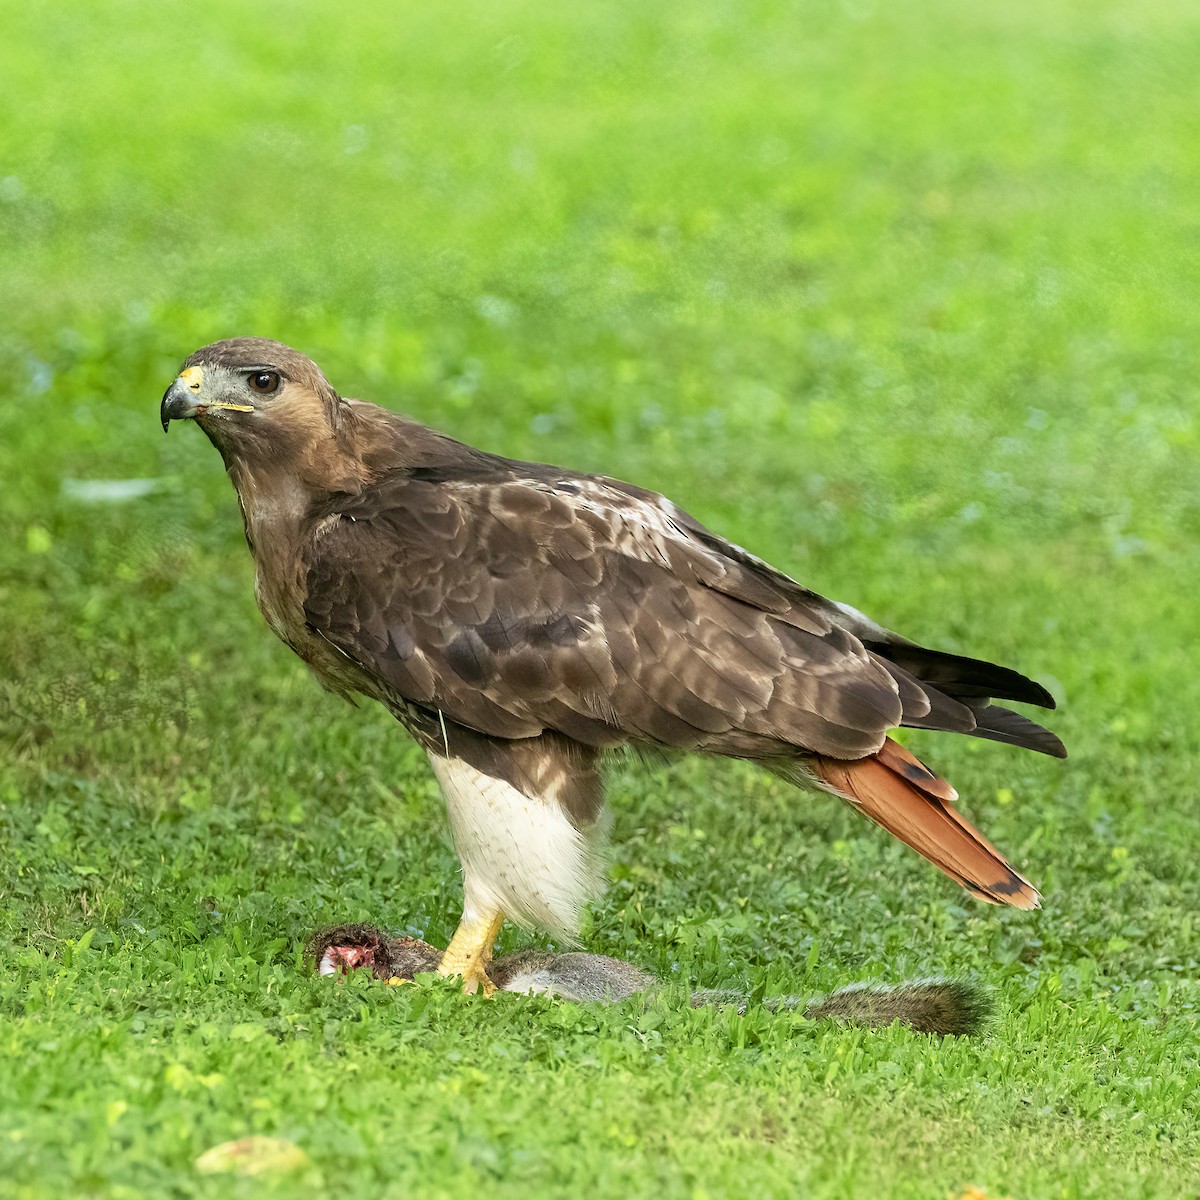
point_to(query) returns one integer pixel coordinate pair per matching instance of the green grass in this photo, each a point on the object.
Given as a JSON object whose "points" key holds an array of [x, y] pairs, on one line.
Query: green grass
{"points": [[901, 296]]}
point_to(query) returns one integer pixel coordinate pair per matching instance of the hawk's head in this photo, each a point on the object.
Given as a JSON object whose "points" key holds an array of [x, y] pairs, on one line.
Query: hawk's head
{"points": [[253, 397]]}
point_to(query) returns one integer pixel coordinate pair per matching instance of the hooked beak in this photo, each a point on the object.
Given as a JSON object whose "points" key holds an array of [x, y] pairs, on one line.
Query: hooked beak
{"points": [[178, 404], [181, 401]]}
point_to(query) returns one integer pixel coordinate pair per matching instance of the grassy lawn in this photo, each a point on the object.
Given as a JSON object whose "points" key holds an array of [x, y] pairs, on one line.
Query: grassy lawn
{"points": [[902, 297]]}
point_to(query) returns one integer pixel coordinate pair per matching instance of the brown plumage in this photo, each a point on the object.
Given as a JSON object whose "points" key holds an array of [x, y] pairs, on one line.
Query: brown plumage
{"points": [[521, 620]]}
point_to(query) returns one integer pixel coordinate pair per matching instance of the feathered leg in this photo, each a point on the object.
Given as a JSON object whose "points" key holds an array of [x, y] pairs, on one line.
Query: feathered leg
{"points": [[525, 820]]}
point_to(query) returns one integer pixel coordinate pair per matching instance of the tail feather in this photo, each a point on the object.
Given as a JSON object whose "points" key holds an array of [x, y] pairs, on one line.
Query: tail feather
{"points": [[900, 793]]}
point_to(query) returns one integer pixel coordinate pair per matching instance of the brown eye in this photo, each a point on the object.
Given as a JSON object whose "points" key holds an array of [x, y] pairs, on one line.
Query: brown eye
{"points": [[264, 381]]}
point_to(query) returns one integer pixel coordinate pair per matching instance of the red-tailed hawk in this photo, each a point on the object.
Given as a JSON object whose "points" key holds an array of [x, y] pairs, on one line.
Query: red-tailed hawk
{"points": [[520, 620]]}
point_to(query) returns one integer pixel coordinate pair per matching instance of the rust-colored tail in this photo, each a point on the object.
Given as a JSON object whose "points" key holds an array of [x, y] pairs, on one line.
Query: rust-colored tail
{"points": [[900, 793]]}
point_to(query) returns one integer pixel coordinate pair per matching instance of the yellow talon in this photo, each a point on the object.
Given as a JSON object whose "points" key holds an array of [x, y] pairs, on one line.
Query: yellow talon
{"points": [[470, 951]]}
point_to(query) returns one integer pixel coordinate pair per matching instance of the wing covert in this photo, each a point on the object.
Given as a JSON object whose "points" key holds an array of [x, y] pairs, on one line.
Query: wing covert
{"points": [[519, 605]]}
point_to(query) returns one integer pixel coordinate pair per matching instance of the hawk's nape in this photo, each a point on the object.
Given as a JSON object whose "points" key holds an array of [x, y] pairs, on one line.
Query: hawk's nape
{"points": [[521, 620]]}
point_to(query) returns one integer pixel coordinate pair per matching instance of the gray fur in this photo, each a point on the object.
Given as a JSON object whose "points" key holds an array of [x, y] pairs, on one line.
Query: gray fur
{"points": [[935, 1006]]}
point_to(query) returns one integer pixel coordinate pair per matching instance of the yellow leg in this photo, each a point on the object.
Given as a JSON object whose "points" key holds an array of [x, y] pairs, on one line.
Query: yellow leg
{"points": [[470, 950]]}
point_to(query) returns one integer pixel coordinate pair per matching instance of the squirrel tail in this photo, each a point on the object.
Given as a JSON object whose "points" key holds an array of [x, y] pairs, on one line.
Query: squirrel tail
{"points": [[937, 1006]]}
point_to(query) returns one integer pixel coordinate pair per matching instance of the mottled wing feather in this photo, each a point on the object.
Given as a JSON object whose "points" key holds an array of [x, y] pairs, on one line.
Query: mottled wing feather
{"points": [[952, 691], [516, 605]]}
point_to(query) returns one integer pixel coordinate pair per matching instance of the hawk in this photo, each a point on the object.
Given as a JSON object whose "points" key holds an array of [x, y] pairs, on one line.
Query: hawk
{"points": [[522, 621]]}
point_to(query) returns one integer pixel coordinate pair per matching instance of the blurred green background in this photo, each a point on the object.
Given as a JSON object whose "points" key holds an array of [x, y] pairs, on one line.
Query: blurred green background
{"points": [[902, 297]]}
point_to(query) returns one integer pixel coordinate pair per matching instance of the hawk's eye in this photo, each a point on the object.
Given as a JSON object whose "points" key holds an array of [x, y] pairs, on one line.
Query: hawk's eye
{"points": [[264, 382]]}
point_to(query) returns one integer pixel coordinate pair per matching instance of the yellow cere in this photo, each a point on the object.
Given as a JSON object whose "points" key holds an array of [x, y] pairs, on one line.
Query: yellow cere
{"points": [[193, 377]]}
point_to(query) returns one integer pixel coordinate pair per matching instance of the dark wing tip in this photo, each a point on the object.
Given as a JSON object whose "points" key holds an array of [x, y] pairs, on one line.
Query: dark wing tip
{"points": [[961, 677], [999, 724]]}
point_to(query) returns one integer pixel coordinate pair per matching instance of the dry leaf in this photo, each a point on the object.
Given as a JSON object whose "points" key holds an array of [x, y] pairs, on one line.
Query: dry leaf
{"points": [[252, 1156]]}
